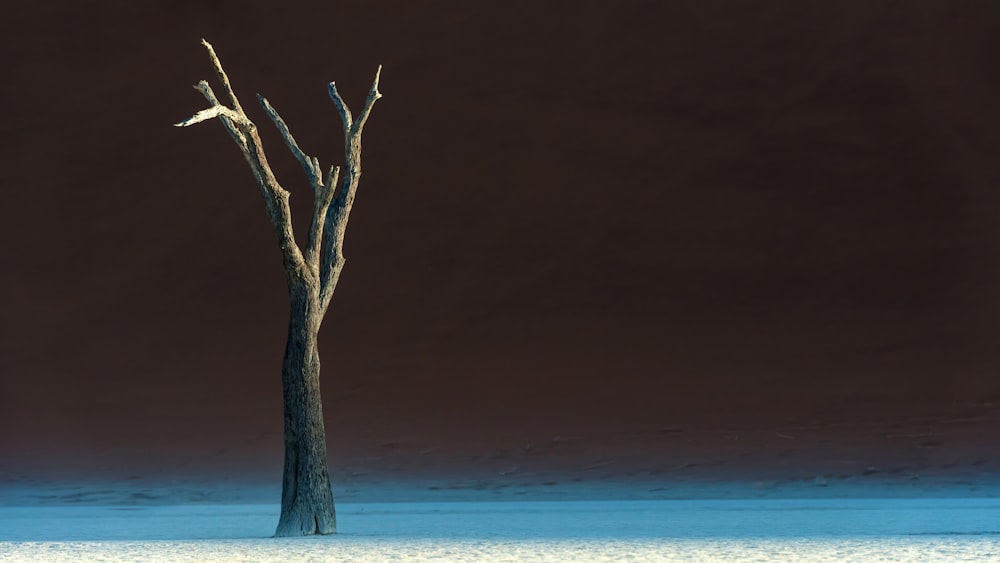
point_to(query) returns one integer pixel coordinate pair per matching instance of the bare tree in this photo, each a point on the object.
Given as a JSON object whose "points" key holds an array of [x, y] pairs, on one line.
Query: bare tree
{"points": [[306, 497]]}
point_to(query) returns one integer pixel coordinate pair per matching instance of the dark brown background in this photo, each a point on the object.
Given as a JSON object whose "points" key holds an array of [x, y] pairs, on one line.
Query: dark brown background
{"points": [[584, 219]]}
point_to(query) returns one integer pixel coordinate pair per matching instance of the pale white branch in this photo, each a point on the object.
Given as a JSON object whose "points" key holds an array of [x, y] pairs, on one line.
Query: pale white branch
{"points": [[206, 89], [309, 164], [223, 77], [232, 127], [206, 114], [244, 133], [345, 112], [373, 95]]}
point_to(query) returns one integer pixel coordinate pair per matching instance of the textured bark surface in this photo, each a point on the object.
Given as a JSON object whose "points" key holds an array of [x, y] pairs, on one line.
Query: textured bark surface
{"points": [[306, 497]]}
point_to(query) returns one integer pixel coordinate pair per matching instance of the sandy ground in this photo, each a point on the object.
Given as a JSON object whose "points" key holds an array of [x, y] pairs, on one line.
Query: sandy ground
{"points": [[740, 530], [916, 489]]}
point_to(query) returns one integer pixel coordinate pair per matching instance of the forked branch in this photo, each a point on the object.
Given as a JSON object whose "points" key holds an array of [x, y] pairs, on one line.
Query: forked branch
{"points": [[345, 112], [333, 194], [309, 164], [223, 77], [340, 210], [324, 197], [244, 133], [209, 113]]}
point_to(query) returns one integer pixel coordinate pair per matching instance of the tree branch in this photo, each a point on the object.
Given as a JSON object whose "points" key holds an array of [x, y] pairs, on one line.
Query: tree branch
{"points": [[333, 202], [324, 197], [345, 112], [335, 224], [230, 125], [244, 133], [309, 164], [373, 95], [223, 77], [206, 114], [333, 243]]}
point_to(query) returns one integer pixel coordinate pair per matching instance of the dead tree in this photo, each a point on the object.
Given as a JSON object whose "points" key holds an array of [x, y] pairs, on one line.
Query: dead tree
{"points": [[306, 497]]}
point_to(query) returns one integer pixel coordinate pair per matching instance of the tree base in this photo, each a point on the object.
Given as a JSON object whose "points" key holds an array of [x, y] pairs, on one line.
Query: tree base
{"points": [[306, 521]]}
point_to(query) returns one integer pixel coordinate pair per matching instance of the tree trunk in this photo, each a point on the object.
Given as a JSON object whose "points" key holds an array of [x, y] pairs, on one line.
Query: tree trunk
{"points": [[306, 496]]}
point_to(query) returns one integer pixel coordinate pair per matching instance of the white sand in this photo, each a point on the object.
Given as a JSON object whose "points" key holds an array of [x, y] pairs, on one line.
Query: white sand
{"points": [[703, 530]]}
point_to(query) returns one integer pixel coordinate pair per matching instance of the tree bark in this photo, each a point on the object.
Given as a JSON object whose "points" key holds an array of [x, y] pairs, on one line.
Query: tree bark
{"points": [[306, 498]]}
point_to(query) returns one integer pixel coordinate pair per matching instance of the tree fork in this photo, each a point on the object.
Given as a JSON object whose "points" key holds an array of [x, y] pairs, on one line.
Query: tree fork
{"points": [[307, 505]]}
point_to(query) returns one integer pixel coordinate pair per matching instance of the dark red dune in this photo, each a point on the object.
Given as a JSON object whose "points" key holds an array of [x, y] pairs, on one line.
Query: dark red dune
{"points": [[612, 240]]}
